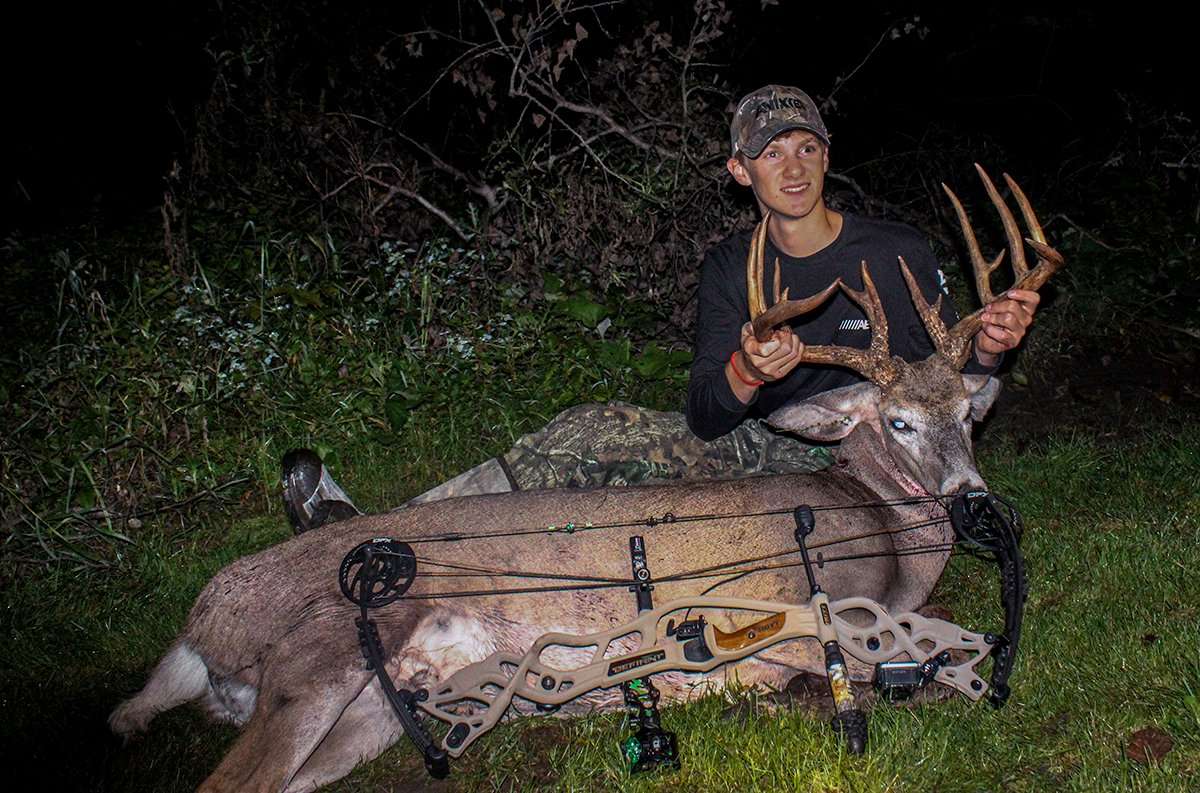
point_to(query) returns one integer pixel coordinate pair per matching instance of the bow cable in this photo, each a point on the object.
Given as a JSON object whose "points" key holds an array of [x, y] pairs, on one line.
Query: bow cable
{"points": [[571, 527], [476, 571]]}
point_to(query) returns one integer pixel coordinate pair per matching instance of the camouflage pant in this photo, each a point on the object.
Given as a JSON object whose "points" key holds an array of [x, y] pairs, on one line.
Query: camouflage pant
{"points": [[618, 444]]}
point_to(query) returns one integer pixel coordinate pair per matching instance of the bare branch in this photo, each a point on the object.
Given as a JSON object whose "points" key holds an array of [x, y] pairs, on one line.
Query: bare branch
{"points": [[396, 190], [486, 191]]}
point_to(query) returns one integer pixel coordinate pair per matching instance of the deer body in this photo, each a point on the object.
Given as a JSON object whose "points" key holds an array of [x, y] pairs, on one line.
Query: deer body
{"points": [[271, 642]]}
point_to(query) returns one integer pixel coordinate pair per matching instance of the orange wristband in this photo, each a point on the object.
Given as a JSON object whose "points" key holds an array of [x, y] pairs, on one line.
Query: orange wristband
{"points": [[738, 375]]}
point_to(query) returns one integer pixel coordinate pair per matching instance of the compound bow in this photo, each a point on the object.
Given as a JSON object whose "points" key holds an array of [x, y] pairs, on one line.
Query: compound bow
{"points": [[474, 699]]}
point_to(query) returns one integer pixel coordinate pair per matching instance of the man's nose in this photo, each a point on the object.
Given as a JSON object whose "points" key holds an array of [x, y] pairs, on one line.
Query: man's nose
{"points": [[795, 164]]}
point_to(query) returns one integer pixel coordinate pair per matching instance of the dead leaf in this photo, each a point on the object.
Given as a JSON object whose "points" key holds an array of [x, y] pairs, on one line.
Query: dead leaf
{"points": [[1149, 745], [935, 612]]}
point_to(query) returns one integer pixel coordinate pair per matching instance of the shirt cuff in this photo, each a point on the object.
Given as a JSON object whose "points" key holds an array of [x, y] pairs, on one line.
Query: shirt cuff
{"points": [[728, 400], [974, 366]]}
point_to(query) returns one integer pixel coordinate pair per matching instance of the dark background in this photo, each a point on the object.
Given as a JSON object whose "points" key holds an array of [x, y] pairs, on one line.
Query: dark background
{"points": [[163, 149], [103, 96]]}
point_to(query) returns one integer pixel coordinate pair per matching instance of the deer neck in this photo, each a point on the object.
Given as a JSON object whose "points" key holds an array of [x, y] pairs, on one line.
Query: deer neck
{"points": [[864, 455]]}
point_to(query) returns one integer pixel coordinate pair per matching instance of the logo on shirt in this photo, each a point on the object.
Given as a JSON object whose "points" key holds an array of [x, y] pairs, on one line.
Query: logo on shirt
{"points": [[854, 324], [942, 282]]}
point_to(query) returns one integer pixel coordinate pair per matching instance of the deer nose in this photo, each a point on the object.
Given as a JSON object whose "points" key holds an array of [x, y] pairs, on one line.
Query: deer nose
{"points": [[963, 482]]}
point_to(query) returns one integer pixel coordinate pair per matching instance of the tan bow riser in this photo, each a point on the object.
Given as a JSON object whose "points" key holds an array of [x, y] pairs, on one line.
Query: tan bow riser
{"points": [[486, 688]]}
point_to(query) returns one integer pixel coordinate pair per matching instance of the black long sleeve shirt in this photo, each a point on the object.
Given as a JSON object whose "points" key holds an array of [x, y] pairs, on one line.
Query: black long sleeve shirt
{"points": [[713, 409]]}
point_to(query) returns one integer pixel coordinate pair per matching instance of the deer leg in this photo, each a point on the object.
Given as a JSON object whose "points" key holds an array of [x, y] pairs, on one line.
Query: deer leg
{"points": [[180, 676], [366, 728], [442, 641], [290, 720]]}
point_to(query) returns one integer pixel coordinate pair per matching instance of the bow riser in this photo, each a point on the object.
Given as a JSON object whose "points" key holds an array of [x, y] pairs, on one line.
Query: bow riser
{"points": [[488, 687]]}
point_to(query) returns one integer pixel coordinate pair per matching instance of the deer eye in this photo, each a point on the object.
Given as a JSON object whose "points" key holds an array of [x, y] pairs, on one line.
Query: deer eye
{"points": [[900, 425]]}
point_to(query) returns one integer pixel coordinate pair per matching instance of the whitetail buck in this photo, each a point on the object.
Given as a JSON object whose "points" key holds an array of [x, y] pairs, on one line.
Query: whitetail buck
{"points": [[270, 644]]}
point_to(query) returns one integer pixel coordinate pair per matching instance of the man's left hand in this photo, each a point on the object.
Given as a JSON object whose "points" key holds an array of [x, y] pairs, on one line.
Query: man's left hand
{"points": [[1004, 324]]}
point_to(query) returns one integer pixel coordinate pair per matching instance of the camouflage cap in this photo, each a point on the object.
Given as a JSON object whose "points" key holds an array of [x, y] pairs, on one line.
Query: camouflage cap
{"points": [[772, 109]]}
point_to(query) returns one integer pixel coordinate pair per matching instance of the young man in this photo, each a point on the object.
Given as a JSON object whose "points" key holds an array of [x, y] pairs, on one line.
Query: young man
{"points": [[780, 150]]}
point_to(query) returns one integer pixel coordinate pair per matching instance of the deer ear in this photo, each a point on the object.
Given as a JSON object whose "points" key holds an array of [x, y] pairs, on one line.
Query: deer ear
{"points": [[829, 416], [983, 391]]}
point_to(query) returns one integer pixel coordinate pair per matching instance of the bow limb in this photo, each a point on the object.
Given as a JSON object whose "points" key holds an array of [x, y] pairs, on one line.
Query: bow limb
{"points": [[473, 699], [887, 636]]}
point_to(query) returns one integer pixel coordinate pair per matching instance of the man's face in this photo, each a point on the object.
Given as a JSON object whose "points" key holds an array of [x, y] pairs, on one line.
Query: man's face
{"points": [[788, 176]]}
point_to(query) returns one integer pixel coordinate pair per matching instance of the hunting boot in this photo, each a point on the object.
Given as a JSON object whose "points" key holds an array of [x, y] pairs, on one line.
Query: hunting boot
{"points": [[310, 496]]}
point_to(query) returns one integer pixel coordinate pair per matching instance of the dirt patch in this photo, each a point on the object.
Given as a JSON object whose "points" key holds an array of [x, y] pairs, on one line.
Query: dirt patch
{"points": [[1149, 745]]}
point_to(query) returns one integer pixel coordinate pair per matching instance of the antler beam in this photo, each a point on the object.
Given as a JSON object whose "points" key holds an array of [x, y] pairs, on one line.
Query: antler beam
{"points": [[875, 363]]}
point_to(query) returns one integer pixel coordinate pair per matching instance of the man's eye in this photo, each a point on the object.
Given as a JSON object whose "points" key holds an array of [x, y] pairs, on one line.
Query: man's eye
{"points": [[899, 424]]}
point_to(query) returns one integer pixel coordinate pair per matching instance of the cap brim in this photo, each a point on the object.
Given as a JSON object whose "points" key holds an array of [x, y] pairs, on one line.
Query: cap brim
{"points": [[760, 139]]}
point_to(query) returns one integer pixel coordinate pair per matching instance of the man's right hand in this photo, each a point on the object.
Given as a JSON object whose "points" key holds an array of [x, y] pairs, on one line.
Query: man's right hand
{"points": [[768, 360], [772, 359]]}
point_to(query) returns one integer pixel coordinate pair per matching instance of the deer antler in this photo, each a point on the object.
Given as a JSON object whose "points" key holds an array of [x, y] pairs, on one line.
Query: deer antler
{"points": [[766, 319], [874, 363], [955, 344]]}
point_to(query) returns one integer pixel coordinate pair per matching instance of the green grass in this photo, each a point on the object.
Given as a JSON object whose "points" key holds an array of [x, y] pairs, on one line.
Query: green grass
{"points": [[1111, 645], [159, 398]]}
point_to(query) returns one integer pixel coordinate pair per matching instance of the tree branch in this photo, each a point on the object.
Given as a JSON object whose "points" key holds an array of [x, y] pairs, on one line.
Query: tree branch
{"points": [[395, 190]]}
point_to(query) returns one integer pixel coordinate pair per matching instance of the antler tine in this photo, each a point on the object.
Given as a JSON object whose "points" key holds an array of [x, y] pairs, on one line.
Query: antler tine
{"points": [[1020, 267], [959, 338], [1031, 221], [1049, 260], [776, 297], [754, 269], [874, 363], [785, 309], [982, 269], [766, 319], [931, 316]]}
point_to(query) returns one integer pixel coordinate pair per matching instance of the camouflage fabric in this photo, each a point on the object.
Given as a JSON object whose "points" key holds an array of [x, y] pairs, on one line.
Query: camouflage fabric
{"points": [[597, 445], [765, 113]]}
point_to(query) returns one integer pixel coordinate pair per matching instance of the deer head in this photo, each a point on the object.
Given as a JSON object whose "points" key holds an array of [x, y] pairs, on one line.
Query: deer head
{"points": [[922, 411]]}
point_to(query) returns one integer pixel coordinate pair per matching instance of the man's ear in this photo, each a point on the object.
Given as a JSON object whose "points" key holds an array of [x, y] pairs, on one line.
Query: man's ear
{"points": [[738, 171], [983, 391], [829, 416]]}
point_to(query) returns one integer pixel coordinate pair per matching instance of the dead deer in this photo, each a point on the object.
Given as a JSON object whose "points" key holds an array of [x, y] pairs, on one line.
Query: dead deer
{"points": [[270, 644]]}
